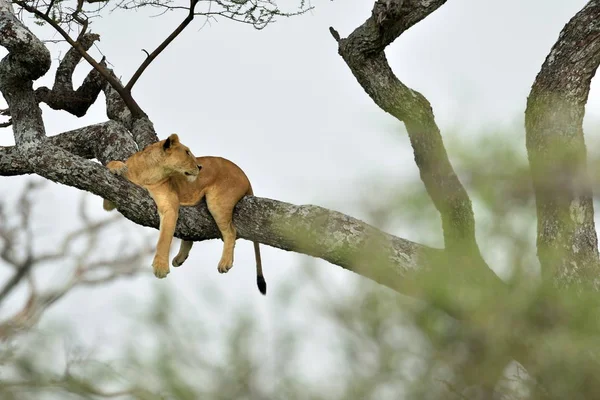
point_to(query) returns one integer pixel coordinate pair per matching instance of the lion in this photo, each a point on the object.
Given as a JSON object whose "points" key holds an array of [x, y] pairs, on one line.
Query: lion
{"points": [[175, 177]]}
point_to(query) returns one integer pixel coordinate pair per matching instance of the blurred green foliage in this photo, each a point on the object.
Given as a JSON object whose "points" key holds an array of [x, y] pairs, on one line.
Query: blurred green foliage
{"points": [[357, 340]]}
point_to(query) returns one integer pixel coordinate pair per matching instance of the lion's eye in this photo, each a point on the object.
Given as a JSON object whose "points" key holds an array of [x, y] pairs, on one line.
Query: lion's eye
{"points": [[188, 153]]}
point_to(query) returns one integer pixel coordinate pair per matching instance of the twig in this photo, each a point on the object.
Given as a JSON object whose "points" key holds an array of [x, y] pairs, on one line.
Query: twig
{"points": [[76, 386], [16, 279], [50, 7], [162, 46], [135, 109], [82, 21], [335, 34]]}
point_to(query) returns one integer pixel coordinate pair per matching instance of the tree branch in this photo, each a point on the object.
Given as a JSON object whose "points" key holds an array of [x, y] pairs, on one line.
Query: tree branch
{"points": [[62, 96], [30, 58], [89, 268], [135, 109], [27, 60], [105, 141], [120, 104], [567, 241], [256, 219], [11, 244], [162, 46], [363, 51], [329, 235], [74, 385], [134, 117]]}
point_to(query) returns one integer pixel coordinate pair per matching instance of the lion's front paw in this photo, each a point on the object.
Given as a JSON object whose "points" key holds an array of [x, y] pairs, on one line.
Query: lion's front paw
{"points": [[117, 167], [160, 267], [178, 260], [225, 265]]}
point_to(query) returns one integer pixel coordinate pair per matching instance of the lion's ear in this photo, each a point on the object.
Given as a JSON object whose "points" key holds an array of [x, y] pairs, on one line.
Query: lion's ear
{"points": [[171, 140]]}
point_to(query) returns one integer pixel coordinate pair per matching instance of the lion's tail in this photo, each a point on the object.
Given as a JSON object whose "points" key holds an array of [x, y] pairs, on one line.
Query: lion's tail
{"points": [[260, 279]]}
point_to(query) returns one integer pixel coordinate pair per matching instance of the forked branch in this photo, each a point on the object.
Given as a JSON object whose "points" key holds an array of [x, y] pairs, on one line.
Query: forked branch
{"points": [[123, 91], [135, 109], [162, 46], [62, 96], [89, 268], [363, 52]]}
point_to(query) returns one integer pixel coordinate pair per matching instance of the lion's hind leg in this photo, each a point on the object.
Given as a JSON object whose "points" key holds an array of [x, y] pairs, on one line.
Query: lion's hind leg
{"points": [[184, 252], [221, 207], [117, 168]]}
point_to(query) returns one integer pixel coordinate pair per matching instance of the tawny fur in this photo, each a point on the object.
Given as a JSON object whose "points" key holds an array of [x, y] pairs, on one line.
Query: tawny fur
{"points": [[175, 177]]}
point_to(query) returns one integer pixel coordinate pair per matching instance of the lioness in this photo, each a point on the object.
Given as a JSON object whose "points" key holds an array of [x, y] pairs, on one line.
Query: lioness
{"points": [[171, 173]]}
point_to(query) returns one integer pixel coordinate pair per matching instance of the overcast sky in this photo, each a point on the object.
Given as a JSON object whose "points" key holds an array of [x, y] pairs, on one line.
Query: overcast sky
{"points": [[282, 104]]}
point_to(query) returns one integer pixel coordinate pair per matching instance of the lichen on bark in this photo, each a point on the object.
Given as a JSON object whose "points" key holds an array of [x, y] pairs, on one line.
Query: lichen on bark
{"points": [[567, 241]]}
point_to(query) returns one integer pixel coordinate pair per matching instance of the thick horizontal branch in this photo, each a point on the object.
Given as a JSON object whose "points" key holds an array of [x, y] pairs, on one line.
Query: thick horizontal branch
{"points": [[312, 230], [105, 142], [567, 240], [363, 51]]}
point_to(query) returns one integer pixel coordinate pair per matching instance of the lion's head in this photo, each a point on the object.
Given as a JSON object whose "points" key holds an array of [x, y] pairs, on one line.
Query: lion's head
{"points": [[177, 158]]}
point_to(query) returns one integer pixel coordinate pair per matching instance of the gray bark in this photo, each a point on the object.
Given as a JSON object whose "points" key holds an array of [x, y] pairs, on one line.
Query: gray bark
{"points": [[64, 159], [363, 52], [567, 242], [62, 96], [308, 229]]}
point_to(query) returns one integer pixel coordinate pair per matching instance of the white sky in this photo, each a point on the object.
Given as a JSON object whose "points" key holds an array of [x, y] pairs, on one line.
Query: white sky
{"points": [[283, 105]]}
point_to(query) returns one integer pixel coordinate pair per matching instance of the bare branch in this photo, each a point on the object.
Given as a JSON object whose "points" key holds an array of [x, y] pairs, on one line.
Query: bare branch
{"points": [[50, 7], [75, 385], [62, 96], [195, 222], [23, 270], [162, 46], [9, 234], [335, 34], [257, 13], [105, 142], [312, 230], [135, 109], [567, 241], [363, 51], [87, 271]]}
